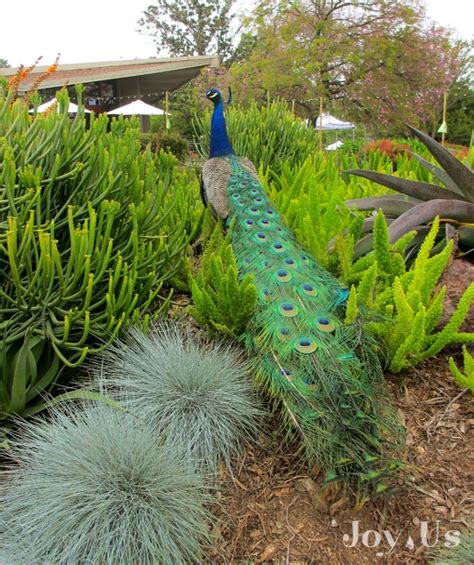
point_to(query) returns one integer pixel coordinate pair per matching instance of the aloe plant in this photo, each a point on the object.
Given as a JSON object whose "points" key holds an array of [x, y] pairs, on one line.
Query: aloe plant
{"points": [[422, 201], [92, 232]]}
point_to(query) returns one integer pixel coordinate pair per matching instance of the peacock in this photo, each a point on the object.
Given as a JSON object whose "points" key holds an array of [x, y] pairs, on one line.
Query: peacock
{"points": [[323, 372]]}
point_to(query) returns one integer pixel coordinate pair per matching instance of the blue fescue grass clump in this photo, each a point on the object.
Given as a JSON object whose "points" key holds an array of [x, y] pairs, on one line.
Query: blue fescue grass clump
{"points": [[193, 392], [462, 554], [93, 485]]}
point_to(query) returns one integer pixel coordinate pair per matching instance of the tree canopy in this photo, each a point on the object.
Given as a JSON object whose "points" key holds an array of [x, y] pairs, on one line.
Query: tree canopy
{"points": [[376, 59], [4, 62], [190, 27]]}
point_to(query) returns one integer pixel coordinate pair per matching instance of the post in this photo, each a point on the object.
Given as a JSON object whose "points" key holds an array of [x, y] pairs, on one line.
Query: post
{"points": [[445, 111], [167, 124], [320, 123], [293, 106]]}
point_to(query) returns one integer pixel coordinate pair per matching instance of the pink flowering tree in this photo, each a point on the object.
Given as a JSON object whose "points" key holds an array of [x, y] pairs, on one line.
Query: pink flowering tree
{"points": [[378, 62]]}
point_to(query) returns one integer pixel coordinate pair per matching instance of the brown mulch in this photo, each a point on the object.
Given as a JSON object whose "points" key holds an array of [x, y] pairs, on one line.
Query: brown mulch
{"points": [[271, 509]]}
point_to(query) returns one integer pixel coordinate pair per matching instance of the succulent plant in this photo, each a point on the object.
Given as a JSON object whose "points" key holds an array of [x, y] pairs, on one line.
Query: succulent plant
{"points": [[92, 232], [420, 202]]}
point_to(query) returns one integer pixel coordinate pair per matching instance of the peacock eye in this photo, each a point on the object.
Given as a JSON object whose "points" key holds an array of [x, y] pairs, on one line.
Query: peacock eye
{"points": [[305, 345], [325, 324]]}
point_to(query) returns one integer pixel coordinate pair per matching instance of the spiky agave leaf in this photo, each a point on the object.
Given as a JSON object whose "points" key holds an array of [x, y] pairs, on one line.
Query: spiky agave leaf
{"points": [[93, 485], [392, 205], [413, 188], [426, 212], [438, 173], [193, 392], [459, 173], [454, 203]]}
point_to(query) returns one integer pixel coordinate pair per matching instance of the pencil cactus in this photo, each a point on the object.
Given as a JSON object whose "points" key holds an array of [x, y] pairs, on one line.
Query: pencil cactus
{"points": [[90, 237], [422, 201]]}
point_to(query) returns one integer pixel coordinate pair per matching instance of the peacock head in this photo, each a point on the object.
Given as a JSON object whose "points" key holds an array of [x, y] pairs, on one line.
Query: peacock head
{"points": [[214, 95]]}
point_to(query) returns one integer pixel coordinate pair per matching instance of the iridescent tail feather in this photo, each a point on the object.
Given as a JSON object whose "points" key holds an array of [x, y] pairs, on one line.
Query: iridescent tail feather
{"points": [[323, 372]]}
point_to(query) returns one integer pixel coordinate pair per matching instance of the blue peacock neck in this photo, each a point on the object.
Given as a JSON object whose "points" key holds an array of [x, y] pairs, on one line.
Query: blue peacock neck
{"points": [[220, 144]]}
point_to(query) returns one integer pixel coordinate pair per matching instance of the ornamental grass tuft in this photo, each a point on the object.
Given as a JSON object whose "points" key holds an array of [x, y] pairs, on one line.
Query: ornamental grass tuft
{"points": [[193, 392], [93, 485], [461, 554]]}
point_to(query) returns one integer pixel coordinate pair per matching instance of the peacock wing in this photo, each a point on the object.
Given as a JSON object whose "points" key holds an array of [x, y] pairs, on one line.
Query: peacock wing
{"points": [[216, 174]]}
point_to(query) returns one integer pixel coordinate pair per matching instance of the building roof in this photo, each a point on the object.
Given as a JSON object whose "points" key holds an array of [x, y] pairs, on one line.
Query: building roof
{"points": [[174, 71]]}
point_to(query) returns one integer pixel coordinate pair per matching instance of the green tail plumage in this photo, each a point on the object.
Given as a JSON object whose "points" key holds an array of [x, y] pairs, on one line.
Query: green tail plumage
{"points": [[322, 371]]}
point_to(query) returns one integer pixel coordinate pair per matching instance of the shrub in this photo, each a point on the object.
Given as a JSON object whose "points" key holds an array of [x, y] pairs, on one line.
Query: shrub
{"points": [[220, 299], [173, 143], [192, 392], [391, 148], [466, 379], [407, 303], [170, 142], [94, 486], [93, 232], [269, 136]]}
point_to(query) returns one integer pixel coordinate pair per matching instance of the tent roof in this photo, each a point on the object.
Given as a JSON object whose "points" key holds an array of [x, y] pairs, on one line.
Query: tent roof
{"points": [[332, 123], [137, 108], [72, 108], [334, 146]]}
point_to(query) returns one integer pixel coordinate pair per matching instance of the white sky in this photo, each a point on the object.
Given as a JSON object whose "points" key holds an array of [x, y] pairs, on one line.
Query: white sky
{"points": [[106, 29]]}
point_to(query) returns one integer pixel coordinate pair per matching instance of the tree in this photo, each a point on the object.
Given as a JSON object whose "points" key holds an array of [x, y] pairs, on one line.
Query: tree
{"points": [[3, 63], [461, 111], [373, 58], [190, 27]]}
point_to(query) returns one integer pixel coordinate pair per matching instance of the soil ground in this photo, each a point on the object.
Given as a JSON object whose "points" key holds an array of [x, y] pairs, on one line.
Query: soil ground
{"points": [[271, 510]]}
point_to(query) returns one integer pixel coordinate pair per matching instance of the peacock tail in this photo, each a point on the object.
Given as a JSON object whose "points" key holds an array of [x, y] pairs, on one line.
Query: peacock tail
{"points": [[324, 372]]}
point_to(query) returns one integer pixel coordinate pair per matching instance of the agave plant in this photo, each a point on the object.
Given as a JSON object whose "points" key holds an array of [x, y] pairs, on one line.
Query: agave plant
{"points": [[420, 202]]}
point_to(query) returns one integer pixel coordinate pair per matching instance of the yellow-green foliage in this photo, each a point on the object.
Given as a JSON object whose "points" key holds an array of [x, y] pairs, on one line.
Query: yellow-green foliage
{"points": [[270, 136], [408, 301], [92, 232], [220, 299], [311, 198], [466, 379]]}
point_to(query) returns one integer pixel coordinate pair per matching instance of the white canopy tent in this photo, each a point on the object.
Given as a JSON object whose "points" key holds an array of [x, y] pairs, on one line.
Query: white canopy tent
{"points": [[330, 123], [137, 108], [334, 146], [72, 108]]}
